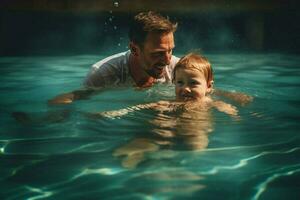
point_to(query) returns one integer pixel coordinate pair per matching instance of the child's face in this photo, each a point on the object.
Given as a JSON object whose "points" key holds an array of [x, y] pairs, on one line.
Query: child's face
{"points": [[190, 84]]}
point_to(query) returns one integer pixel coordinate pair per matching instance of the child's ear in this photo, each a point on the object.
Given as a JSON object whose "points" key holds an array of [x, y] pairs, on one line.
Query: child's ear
{"points": [[210, 87]]}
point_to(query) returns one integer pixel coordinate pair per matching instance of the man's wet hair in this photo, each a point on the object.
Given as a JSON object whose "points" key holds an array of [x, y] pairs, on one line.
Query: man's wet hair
{"points": [[147, 22]]}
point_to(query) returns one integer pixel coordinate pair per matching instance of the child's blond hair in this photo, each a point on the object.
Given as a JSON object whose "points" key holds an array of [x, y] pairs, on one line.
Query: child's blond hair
{"points": [[195, 61]]}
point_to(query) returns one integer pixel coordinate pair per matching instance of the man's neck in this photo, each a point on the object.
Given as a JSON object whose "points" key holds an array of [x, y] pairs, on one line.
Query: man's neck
{"points": [[138, 74]]}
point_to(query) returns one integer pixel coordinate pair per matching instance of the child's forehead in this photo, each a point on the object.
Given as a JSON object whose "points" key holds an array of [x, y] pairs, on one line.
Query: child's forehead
{"points": [[193, 72], [189, 70]]}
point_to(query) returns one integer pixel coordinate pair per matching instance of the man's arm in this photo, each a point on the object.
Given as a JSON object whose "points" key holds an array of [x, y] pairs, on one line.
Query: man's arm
{"points": [[93, 83], [69, 97], [238, 97]]}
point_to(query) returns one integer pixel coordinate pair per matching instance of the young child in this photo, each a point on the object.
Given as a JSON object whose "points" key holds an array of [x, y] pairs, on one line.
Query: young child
{"points": [[193, 79], [187, 119]]}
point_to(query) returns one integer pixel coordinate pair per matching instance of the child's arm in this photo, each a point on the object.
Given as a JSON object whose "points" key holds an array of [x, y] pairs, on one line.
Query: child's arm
{"points": [[115, 114], [225, 107], [238, 97]]}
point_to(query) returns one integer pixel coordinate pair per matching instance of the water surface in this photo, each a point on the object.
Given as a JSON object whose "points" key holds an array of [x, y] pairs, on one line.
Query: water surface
{"points": [[70, 157]]}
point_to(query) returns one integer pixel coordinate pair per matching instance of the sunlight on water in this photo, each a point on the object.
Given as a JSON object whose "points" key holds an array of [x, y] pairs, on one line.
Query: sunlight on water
{"points": [[61, 152], [102, 171], [264, 185], [244, 162], [42, 194]]}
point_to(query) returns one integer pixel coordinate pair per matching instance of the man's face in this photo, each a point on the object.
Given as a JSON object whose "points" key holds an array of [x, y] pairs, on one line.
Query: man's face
{"points": [[156, 53]]}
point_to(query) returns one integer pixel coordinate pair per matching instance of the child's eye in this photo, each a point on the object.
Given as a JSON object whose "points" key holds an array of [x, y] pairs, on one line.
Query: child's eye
{"points": [[194, 83], [179, 82]]}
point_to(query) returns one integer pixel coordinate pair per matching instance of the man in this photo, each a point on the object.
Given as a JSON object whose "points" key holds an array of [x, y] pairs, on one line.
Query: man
{"points": [[148, 61]]}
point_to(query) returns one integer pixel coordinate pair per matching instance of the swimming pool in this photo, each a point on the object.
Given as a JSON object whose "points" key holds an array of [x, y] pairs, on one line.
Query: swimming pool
{"points": [[70, 157]]}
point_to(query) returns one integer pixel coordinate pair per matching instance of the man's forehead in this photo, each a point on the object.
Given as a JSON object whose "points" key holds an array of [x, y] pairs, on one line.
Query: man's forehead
{"points": [[158, 41]]}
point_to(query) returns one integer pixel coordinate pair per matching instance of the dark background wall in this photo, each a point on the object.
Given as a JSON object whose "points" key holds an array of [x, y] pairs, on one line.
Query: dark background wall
{"points": [[65, 27]]}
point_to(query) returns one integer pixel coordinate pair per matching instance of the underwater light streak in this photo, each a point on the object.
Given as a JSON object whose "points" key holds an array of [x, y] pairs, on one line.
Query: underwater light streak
{"points": [[37, 190], [83, 147], [44, 194], [75, 150], [2, 149], [263, 186], [102, 171], [244, 162], [248, 147]]}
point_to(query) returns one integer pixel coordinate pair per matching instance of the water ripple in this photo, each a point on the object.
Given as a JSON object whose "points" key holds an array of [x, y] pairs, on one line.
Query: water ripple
{"points": [[101, 171], [244, 162], [41, 193], [261, 188]]}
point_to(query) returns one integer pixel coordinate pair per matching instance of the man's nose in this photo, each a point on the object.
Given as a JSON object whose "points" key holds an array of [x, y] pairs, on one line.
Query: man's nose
{"points": [[167, 57]]}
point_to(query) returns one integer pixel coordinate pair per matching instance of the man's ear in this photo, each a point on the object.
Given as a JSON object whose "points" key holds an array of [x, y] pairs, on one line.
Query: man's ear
{"points": [[134, 48], [210, 87]]}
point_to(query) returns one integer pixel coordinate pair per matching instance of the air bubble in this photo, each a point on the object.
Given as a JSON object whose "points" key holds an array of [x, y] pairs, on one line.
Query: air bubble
{"points": [[116, 4]]}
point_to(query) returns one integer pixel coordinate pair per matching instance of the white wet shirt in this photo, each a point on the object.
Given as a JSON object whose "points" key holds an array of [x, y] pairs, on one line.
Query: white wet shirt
{"points": [[114, 71]]}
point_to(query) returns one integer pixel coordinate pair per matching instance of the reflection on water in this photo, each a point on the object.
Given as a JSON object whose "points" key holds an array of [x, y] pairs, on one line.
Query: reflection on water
{"points": [[186, 130], [255, 157]]}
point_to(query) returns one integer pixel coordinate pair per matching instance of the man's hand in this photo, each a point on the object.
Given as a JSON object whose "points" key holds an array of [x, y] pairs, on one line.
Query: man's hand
{"points": [[66, 98]]}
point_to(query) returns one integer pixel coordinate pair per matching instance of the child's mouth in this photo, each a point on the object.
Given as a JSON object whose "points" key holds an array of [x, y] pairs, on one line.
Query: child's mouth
{"points": [[187, 97]]}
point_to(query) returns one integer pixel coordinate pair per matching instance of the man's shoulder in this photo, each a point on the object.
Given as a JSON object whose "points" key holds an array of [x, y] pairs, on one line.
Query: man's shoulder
{"points": [[174, 60], [113, 60], [168, 76], [108, 71]]}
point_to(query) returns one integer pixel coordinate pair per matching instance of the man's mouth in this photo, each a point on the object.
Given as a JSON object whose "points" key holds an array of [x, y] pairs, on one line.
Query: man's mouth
{"points": [[160, 69], [157, 71], [159, 66]]}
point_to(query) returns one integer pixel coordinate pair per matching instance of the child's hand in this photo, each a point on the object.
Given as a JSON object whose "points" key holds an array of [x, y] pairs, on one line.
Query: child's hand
{"points": [[115, 114], [162, 106], [226, 108], [241, 98]]}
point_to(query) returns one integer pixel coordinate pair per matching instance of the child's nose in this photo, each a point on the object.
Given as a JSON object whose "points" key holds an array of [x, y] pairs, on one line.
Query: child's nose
{"points": [[186, 89]]}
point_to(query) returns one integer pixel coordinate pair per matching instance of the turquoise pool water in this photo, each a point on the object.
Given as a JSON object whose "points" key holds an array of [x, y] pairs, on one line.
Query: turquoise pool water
{"points": [[70, 155]]}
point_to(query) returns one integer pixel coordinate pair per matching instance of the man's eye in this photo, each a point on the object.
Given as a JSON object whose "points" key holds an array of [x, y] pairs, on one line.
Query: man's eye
{"points": [[157, 54]]}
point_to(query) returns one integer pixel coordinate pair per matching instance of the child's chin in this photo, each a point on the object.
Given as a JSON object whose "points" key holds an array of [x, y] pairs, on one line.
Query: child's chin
{"points": [[187, 99]]}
